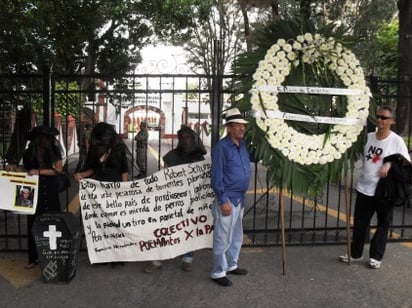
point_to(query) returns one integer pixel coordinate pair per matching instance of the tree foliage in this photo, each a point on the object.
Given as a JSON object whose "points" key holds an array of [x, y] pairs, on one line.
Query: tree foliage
{"points": [[83, 36], [387, 41], [363, 19], [102, 36]]}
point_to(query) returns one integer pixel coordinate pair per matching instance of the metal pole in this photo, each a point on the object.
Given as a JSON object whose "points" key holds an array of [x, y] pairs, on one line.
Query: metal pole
{"points": [[282, 228], [47, 108], [347, 212], [216, 91]]}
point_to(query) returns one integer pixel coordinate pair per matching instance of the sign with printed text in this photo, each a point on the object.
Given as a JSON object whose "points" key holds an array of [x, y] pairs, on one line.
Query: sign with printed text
{"points": [[159, 217], [18, 192]]}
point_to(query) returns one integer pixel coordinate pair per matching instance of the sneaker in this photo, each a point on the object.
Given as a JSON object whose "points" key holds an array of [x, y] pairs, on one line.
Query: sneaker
{"points": [[238, 271], [187, 266], [345, 259], [150, 268], [375, 264], [222, 281]]}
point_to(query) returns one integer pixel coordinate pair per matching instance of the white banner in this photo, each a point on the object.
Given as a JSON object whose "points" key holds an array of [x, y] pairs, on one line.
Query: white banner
{"points": [[314, 119], [18, 192], [159, 217], [309, 90]]}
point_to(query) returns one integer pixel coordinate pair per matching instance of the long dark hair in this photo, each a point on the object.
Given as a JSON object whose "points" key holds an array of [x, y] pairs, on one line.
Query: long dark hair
{"points": [[104, 138], [42, 151], [196, 147]]}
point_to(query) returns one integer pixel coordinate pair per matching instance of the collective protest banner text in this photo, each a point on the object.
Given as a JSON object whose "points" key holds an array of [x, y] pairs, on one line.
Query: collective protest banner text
{"points": [[159, 217]]}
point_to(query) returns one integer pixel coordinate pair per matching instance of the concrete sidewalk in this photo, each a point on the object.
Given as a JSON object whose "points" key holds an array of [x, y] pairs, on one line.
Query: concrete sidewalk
{"points": [[314, 278]]}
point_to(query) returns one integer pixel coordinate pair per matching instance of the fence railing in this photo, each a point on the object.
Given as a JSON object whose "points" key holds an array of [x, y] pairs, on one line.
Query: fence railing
{"points": [[169, 101]]}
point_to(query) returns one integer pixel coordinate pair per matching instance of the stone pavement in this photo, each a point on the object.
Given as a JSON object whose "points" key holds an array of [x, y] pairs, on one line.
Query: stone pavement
{"points": [[314, 278]]}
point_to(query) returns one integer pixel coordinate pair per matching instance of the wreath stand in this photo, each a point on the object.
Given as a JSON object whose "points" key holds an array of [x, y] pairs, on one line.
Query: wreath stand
{"points": [[282, 227], [347, 212], [282, 223]]}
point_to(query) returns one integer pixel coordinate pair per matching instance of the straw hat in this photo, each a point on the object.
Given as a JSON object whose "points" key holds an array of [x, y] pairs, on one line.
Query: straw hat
{"points": [[233, 115]]}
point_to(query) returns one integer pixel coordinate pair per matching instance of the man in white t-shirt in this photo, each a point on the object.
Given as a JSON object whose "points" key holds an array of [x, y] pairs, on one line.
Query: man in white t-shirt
{"points": [[380, 144]]}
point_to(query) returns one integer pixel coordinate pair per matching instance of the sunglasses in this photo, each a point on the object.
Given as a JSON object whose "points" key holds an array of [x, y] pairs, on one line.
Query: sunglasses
{"points": [[382, 117]]}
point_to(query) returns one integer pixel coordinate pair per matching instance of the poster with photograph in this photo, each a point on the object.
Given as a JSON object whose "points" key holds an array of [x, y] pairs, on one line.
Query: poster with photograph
{"points": [[18, 192]]}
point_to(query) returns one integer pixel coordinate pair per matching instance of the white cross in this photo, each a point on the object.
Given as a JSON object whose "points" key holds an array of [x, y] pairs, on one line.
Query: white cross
{"points": [[52, 234]]}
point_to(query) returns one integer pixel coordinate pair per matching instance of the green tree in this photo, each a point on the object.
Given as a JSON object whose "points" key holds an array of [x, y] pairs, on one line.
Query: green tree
{"points": [[101, 36], [82, 36], [206, 21], [387, 42]]}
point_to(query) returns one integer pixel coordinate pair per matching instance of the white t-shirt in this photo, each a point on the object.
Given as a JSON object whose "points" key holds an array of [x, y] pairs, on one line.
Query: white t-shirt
{"points": [[374, 153]]}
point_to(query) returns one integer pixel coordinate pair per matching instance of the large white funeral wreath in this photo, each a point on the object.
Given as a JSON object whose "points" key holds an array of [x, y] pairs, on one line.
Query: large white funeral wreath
{"points": [[307, 102], [269, 79]]}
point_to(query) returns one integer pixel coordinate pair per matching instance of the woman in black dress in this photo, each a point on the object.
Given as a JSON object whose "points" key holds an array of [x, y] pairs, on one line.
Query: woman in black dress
{"points": [[189, 149], [43, 158], [106, 160]]}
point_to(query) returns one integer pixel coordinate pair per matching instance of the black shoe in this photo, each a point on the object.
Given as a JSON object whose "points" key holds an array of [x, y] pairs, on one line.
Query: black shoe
{"points": [[222, 281], [238, 271]]}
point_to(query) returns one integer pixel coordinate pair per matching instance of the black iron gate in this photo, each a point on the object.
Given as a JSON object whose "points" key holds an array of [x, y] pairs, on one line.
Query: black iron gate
{"points": [[166, 102]]}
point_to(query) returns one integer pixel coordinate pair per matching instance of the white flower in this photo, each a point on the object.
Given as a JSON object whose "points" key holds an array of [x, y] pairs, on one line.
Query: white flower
{"points": [[291, 56], [308, 37], [281, 55], [273, 49], [281, 42], [306, 58], [265, 75], [287, 48], [297, 46]]}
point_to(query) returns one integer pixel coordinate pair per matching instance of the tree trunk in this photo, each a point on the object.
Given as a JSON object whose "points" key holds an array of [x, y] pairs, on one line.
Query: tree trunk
{"points": [[246, 27], [403, 119]]}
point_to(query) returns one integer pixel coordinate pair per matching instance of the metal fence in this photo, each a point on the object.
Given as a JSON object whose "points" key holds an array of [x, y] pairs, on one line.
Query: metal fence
{"points": [[167, 102]]}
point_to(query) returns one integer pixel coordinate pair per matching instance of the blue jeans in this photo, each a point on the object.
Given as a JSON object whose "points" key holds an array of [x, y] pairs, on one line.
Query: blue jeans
{"points": [[227, 239]]}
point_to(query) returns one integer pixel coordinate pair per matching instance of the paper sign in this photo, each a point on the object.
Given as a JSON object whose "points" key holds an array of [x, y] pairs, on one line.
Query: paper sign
{"points": [[18, 192]]}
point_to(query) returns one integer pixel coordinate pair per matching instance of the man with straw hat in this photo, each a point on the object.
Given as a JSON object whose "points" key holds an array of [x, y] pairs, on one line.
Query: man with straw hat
{"points": [[230, 180]]}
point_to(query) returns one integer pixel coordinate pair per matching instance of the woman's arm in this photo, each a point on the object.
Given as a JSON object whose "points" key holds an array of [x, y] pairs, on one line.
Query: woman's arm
{"points": [[84, 174], [58, 168]]}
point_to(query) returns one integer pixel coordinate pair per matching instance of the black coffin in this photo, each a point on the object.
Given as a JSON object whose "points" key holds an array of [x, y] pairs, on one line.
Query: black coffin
{"points": [[57, 237]]}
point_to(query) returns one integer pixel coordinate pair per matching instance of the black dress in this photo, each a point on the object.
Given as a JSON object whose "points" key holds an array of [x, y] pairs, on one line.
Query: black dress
{"points": [[111, 168], [48, 193]]}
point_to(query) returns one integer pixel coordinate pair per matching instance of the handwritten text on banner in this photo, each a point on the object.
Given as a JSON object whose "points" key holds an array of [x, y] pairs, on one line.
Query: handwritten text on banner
{"points": [[159, 217]]}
